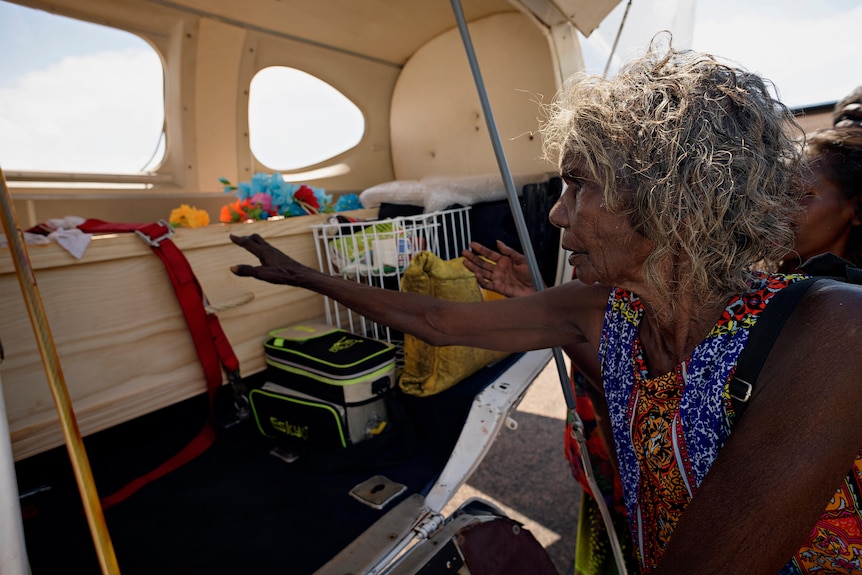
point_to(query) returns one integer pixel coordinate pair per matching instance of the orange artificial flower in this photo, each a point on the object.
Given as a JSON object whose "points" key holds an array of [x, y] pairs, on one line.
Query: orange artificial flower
{"points": [[234, 212]]}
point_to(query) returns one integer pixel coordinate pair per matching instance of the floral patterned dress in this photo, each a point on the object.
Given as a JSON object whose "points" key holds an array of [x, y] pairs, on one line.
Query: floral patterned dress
{"points": [[593, 551], [669, 428]]}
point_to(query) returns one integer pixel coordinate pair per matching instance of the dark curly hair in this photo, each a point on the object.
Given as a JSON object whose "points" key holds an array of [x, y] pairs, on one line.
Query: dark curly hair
{"points": [[838, 154], [697, 153], [848, 111]]}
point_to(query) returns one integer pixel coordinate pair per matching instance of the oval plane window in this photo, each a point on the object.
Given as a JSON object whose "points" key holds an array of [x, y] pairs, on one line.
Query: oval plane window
{"points": [[77, 97], [297, 120]]}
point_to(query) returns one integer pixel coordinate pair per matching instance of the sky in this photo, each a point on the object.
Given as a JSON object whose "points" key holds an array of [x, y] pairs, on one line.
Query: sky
{"points": [[53, 63], [808, 49]]}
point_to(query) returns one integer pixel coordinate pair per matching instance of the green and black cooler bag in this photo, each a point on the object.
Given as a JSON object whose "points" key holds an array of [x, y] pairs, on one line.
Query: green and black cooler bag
{"points": [[326, 387]]}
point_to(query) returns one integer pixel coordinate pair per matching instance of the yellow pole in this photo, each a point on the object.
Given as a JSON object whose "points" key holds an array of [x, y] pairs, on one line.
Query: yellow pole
{"points": [[51, 362]]}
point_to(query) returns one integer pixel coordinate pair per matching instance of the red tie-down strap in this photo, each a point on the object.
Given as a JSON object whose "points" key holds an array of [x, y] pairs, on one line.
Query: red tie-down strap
{"points": [[212, 346]]}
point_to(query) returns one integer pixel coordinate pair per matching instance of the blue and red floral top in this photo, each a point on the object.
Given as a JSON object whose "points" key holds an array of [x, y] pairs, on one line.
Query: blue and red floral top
{"points": [[668, 429]]}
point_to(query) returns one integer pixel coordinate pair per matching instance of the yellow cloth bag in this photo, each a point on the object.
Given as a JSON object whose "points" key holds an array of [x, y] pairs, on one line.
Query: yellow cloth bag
{"points": [[430, 369]]}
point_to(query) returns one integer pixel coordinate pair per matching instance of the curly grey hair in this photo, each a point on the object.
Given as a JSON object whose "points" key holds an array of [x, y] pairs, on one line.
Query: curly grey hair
{"points": [[697, 154]]}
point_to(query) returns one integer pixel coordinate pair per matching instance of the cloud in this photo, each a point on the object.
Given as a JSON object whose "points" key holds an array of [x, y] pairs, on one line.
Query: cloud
{"points": [[810, 59], [644, 20], [94, 113], [807, 49]]}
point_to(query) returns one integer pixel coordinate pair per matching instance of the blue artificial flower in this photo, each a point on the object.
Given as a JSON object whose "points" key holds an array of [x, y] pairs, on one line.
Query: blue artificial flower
{"points": [[348, 202], [244, 191], [323, 199], [294, 209]]}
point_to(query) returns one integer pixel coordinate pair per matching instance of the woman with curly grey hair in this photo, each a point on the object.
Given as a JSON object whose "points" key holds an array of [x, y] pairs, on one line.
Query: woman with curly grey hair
{"points": [[696, 155], [680, 172]]}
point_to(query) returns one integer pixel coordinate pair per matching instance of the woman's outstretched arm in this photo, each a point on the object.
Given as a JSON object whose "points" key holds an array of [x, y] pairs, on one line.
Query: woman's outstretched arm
{"points": [[545, 319]]}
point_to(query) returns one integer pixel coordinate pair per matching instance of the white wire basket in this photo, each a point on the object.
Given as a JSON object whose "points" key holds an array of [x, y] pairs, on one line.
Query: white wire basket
{"points": [[377, 252]]}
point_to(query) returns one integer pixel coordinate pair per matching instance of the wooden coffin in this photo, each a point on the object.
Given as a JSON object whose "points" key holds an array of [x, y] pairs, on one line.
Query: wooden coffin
{"points": [[122, 341]]}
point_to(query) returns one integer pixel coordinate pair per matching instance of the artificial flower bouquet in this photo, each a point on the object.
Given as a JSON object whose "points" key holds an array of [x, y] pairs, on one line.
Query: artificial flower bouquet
{"points": [[268, 196]]}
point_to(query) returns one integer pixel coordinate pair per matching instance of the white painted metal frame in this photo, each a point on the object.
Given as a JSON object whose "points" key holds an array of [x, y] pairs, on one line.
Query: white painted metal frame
{"points": [[13, 553], [380, 548]]}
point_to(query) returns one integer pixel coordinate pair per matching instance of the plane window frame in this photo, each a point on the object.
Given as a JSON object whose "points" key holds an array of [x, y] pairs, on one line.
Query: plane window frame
{"points": [[339, 70], [167, 33], [323, 161]]}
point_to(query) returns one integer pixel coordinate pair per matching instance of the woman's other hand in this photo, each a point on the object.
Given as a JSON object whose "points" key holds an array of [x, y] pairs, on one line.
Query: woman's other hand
{"points": [[506, 272]]}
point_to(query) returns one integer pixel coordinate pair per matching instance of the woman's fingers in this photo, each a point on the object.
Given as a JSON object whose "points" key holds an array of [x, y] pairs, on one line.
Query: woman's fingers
{"points": [[481, 250], [253, 243], [241, 240], [510, 252], [243, 270], [474, 265]]}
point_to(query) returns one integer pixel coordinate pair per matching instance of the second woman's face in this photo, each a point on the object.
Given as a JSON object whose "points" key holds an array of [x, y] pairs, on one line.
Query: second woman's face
{"points": [[604, 247], [829, 218]]}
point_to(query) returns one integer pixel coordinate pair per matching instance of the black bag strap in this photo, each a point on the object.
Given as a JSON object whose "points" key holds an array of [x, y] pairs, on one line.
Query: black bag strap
{"points": [[760, 340], [771, 320], [830, 265]]}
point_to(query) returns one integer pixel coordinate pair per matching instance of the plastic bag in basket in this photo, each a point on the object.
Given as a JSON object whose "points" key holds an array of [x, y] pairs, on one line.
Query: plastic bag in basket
{"points": [[379, 248]]}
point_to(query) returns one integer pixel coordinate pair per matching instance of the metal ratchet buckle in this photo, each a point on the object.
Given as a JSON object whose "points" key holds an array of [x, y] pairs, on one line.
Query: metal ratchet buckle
{"points": [[746, 395], [240, 395], [156, 242]]}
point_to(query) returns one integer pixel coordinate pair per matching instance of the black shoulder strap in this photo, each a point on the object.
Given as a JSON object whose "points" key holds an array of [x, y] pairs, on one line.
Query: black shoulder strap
{"points": [[828, 264], [769, 324], [760, 340]]}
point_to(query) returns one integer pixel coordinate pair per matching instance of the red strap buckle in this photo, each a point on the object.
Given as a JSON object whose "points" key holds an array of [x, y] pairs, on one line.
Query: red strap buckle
{"points": [[156, 242]]}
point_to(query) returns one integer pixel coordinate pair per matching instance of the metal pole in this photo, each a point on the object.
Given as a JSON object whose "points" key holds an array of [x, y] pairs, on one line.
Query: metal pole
{"points": [[508, 182], [617, 39], [51, 363], [524, 236]]}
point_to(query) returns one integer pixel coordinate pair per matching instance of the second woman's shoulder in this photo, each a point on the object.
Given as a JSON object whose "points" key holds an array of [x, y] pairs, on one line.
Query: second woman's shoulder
{"points": [[829, 297], [827, 320]]}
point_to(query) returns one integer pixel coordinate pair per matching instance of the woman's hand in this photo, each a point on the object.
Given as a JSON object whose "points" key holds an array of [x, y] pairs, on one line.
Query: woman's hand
{"points": [[276, 267], [507, 272]]}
